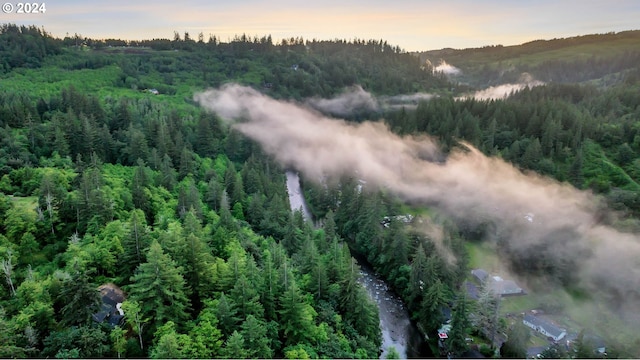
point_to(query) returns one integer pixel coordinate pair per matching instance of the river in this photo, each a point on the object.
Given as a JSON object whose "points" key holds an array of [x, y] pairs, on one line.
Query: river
{"points": [[296, 197], [395, 324]]}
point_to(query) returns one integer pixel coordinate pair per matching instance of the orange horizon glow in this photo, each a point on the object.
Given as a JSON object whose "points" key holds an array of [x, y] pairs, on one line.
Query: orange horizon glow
{"points": [[411, 24]]}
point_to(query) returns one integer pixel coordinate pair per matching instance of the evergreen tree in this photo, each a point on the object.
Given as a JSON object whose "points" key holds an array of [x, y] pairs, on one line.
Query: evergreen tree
{"points": [[234, 347], [226, 314], [207, 338], [487, 313], [199, 271], [80, 296], [319, 282], [169, 344], [460, 326], [516, 344], [139, 190], [159, 287], [245, 297], [270, 287], [77, 341], [329, 227], [576, 175], [435, 301], [532, 155], [256, 342], [296, 316], [583, 347], [135, 244]]}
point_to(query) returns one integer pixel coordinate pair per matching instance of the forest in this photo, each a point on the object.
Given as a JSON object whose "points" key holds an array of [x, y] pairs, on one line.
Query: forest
{"points": [[106, 184]]}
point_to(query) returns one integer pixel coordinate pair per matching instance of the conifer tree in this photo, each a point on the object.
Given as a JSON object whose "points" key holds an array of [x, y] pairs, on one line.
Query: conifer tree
{"points": [[206, 337], [160, 288], [80, 296], [135, 243], [227, 315], [432, 306], [234, 348], [460, 325], [296, 316], [255, 337]]}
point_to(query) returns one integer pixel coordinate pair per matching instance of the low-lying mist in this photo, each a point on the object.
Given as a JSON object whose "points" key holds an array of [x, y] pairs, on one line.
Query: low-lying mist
{"points": [[356, 99], [502, 91], [446, 68], [536, 217]]}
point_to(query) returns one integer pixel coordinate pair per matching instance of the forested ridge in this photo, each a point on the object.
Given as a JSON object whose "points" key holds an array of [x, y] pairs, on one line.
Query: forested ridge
{"points": [[104, 182], [601, 58]]}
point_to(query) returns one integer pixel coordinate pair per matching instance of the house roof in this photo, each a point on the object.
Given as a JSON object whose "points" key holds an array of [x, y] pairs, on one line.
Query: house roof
{"points": [[503, 287], [546, 325], [480, 274], [111, 295], [100, 316]]}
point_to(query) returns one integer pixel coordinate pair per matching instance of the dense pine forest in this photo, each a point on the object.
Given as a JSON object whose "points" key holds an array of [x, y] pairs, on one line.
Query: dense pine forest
{"points": [[112, 178]]}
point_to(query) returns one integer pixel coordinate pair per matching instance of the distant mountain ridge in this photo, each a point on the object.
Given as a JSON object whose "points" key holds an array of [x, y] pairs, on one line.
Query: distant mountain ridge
{"points": [[602, 58]]}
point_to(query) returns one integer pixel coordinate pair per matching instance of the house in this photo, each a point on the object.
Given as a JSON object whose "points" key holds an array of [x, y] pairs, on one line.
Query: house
{"points": [[502, 287], [111, 310], [498, 285], [154, 91], [544, 327]]}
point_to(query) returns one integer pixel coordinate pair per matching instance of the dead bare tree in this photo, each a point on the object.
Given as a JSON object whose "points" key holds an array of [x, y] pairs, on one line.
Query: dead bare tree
{"points": [[7, 268]]}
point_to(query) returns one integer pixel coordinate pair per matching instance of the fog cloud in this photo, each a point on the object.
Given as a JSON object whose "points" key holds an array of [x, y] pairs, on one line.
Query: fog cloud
{"points": [[504, 90], [532, 210], [405, 99], [352, 99], [446, 69], [355, 99]]}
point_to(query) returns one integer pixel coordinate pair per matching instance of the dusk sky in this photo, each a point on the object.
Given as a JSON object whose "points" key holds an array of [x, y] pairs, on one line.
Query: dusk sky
{"points": [[411, 24]]}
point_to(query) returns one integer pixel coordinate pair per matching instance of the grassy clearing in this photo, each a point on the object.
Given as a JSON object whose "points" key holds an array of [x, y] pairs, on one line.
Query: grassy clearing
{"points": [[51, 80], [537, 339], [483, 255], [25, 203], [519, 304], [102, 83]]}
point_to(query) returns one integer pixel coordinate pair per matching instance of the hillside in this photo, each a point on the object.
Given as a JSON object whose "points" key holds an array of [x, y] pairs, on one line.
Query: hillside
{"points": [[599, 58]]}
